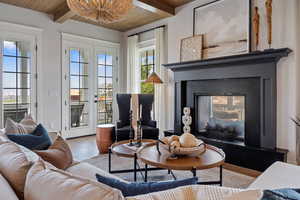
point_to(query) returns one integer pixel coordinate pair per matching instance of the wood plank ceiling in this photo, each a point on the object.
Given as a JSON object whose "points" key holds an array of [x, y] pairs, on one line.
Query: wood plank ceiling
{"points": [[144, 11]]}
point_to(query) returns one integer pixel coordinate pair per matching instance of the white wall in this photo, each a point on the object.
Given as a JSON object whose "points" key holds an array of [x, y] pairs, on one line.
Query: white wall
{"points": [[50, 68], [284, 33]]}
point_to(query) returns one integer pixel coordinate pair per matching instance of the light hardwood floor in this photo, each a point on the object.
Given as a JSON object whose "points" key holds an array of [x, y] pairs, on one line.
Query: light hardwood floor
{"points": [[83, 148]]}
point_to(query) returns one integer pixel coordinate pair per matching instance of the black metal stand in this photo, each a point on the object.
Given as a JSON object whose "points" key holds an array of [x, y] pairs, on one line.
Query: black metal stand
{"points": [[219, 182], [136, 168]]}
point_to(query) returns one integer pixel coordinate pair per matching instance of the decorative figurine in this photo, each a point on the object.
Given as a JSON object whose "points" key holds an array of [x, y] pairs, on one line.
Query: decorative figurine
{"points": [[269, 10], [256, 23], [131, 131], [187, 120], [139, 133]]}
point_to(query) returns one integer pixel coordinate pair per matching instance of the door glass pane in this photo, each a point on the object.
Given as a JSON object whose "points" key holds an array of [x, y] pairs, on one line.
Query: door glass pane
{"points": [[9, 64], [16, 79], [105, 88], [79, 88]]}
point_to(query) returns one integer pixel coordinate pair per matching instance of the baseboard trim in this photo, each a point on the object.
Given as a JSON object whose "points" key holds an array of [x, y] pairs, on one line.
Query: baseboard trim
{"points": [[242, 170], [70, 138]]}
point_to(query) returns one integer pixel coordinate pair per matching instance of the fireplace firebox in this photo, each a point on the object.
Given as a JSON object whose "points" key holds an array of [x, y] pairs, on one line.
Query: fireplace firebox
{"points": [[233, 104]]}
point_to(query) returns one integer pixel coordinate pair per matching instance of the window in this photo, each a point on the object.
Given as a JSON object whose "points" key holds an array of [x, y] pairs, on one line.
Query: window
{"points": [[105, 88], [147, 60], [16, 78], [79, 88]]}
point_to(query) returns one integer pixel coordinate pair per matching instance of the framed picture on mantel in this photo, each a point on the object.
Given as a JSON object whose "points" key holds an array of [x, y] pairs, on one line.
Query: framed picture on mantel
{"points": [[225, 26]]}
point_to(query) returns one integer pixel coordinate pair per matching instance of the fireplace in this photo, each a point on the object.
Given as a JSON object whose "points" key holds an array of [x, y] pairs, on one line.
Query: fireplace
{"points": [[226, 109], [220, 117], [233, 104]]}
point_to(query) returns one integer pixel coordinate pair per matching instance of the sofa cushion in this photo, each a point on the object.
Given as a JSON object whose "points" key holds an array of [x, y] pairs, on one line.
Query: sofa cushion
{"points": [[6, 192], [37, 140], [14, 166], [194, 192], [58, 154], [87, 170], [287, 176], [46, 183], [133, 189]]}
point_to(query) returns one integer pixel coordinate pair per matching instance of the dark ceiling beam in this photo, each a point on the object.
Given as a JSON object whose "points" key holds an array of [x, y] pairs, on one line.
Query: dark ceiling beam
{"points": [[155, 6], [62, 13]]}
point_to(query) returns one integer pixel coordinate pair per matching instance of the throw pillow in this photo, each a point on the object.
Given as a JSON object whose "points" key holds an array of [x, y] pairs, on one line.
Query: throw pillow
{"points": [[12, 127], [58, 154], [44, 182], [37, 140], [134, 189], [280, 194], [14, 166], [27, 125]]}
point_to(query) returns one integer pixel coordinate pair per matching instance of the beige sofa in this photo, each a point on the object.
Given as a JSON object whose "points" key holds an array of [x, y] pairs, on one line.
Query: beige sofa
{"points": [[279, 175]]}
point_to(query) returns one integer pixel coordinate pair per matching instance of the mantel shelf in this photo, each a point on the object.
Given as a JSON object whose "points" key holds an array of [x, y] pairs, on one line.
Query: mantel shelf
{"points": [[253, 57]]}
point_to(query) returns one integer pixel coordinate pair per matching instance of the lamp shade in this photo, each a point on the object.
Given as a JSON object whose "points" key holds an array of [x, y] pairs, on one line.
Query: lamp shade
{"points": [[154, 78]]}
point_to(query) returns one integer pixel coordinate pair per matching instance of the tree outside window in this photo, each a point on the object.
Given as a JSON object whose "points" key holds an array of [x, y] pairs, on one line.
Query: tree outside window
{"points": [[147, 66]]}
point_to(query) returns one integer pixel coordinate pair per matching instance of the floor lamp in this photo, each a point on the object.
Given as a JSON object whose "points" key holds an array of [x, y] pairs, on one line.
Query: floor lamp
{"points": [[154, 79]]}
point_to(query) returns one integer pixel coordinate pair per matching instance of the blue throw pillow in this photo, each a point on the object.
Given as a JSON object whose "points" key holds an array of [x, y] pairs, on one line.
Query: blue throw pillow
{"points": [[134, 189], [286, 194], [37, 140]]}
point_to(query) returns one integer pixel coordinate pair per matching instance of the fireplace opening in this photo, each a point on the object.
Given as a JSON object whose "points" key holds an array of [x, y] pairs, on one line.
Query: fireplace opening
{"points": [[221, 117]]}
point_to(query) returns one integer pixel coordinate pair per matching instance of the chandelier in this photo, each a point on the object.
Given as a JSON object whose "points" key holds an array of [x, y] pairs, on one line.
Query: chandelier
{"points": [[105, 11]]}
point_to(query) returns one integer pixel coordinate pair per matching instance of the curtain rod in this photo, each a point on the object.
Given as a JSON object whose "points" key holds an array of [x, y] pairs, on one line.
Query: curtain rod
{"points": [[147, 30]]}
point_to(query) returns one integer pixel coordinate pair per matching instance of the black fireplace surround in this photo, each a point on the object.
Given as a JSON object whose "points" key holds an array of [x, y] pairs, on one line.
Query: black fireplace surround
{"points": [[252, 76]]}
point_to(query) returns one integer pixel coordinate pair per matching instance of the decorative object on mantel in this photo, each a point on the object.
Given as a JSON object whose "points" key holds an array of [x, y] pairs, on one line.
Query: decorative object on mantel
{"points": [[226, 27], [297, 122], [256, 24], [191, 48], [187, 120], [269, 11], [105, 11]]}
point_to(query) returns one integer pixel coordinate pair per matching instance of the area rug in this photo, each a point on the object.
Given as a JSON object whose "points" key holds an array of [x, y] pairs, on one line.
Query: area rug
{"points": [[230, 179]]}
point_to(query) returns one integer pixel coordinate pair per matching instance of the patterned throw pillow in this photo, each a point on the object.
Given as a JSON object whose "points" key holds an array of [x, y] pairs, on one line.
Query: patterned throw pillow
{"points": [[12, 127], [58, 154], [27, 125]]}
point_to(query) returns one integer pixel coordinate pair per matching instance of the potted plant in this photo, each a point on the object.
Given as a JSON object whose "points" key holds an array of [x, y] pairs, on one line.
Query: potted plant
{"points": [[296, 120]]}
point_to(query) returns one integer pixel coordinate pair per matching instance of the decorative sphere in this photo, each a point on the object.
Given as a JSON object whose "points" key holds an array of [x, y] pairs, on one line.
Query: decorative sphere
{"points": [[187, 140]]}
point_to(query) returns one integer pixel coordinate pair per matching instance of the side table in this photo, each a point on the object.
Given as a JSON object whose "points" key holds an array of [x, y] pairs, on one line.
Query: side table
{"points": [[104, 137]]}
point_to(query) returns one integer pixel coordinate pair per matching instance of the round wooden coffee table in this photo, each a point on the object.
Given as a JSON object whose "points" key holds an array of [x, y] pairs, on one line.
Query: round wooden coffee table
{"points": [[122, 150], [213, 157]]}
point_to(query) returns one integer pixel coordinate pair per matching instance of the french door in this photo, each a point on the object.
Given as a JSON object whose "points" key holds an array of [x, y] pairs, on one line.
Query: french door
{"points": [[89, 85], [18, 76]]}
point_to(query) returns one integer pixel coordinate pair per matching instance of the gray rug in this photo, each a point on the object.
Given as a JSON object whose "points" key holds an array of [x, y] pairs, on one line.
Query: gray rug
{"points": [[230, 179]]}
